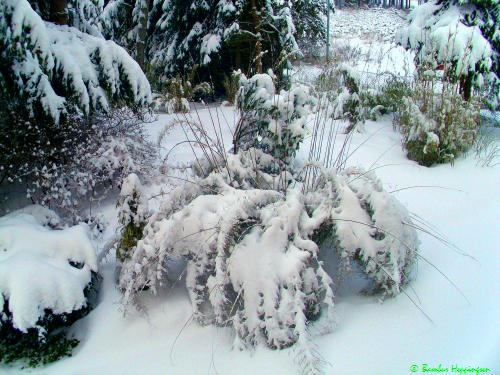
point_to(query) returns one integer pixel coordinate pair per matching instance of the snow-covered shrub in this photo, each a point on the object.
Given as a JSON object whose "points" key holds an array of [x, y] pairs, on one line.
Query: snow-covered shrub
{"points": [[48, 280], [269, 121], [437, 123], [252, 251], [345, 98], [132, 215], [461, 34], [250, 231], [392, 93], [231, 85], [178, 92], [202, 92], [80, 162]]}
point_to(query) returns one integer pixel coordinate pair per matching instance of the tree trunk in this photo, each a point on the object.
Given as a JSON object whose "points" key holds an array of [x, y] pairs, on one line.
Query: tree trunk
{"points": [[59, 12], [258, 43], [142, 34], [466, 86]]}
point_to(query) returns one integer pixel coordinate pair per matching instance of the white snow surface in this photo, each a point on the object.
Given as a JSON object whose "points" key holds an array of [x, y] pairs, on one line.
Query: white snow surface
{"points": [[461, 201], [35, 273]]}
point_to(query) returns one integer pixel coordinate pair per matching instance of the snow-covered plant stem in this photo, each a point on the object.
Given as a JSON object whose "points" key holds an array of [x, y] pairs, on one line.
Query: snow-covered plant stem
{"points": [[132, 215]]}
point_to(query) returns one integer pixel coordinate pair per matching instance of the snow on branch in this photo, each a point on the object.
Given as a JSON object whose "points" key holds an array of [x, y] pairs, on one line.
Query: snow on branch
{"points": [[58, 67]]}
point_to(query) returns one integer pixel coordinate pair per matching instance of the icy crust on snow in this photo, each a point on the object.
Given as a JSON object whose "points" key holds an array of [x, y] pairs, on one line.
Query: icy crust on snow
{"points": [[91, 68], [447, 37], [35, 269]]}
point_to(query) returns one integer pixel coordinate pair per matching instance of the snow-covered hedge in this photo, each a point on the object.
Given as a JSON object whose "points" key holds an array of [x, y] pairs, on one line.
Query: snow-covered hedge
{"points": [[48, 280]]}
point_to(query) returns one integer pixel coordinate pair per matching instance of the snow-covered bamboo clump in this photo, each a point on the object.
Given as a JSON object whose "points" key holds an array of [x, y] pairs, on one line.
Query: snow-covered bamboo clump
{"points": [[250, 232], [132, 215], [273, 122], [461, 34], [59, 68], [46, 280], [344, 97], [438, 127]]}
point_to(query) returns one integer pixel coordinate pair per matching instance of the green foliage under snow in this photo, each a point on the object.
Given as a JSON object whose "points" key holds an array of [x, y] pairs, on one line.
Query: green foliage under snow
{"points": [[250, 229]]}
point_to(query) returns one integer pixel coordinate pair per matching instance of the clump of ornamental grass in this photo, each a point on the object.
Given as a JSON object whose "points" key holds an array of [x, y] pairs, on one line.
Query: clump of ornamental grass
{"points": [[250, 222], [437, 122]]}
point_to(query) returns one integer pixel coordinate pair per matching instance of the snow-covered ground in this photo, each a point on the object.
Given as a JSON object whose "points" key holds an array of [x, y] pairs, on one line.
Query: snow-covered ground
{"points": [[364, 40], [461, 201], [462, 328], [369, 23]]}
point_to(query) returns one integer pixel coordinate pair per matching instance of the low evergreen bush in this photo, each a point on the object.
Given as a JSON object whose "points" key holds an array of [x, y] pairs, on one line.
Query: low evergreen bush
{"points": [[36, 311], [48, 342]]}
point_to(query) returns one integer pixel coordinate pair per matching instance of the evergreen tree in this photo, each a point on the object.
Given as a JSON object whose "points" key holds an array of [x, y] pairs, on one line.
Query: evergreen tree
{"points": [[53, 79], [309, 24], [217, 36], [125, 22], [463, 33], [81, 14], [484, 14]]}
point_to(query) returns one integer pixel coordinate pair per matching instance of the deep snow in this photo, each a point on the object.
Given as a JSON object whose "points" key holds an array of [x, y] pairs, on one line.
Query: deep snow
{"points": [[460, 201], [371, 338]]}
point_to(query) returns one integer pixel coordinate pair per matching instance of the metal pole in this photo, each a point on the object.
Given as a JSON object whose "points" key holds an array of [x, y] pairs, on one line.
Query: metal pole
{"points": [[327, 30]]}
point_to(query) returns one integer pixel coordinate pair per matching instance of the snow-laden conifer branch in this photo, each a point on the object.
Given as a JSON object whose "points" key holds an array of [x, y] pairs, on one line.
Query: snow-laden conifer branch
{"points": [[58, 68]]}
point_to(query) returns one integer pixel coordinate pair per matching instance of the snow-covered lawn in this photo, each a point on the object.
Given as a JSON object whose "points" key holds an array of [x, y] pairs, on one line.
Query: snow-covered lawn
{"points": [[368, 23], [459, 201], [447, 316]]}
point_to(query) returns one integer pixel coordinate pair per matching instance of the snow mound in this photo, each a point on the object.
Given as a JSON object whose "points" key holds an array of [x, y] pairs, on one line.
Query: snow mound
{"points": [[43, 216], [42, 268]]}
